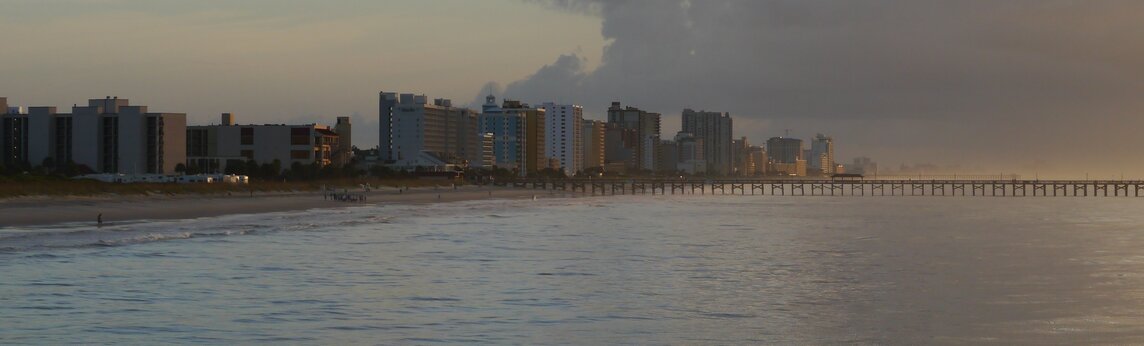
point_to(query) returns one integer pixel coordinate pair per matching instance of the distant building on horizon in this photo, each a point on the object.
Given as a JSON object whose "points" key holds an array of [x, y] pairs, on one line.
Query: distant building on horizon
{"points": [[690, 154], [108, 135], [563, 140], [821, 158], [715, 130], [863, 165], [668, 157], [740, 157], [784, 149], [758, 160], [786, 156]]}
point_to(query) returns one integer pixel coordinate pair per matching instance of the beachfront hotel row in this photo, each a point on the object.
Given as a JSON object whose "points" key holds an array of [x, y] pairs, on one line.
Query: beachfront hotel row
{"points": [[415, 133], [110, 135]]}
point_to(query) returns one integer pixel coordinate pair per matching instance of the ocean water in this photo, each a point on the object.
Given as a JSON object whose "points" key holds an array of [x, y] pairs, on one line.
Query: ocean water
{"points": [[599, 270]]}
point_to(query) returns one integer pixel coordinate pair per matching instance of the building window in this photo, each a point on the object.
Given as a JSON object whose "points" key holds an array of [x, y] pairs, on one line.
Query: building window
{"points": [[300, 154], [247, 136], [248, 154], [300, 136]]}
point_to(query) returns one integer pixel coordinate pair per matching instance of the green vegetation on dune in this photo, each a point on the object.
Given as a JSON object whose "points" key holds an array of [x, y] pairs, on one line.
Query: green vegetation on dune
{"points": [[51, 179]]}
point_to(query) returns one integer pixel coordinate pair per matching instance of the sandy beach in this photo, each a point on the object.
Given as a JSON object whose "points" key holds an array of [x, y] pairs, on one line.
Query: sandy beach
{"points": [[42, 210]]}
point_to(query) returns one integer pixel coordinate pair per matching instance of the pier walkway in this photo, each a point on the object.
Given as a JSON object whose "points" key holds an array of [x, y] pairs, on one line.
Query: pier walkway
{"points": [[826, 187]]}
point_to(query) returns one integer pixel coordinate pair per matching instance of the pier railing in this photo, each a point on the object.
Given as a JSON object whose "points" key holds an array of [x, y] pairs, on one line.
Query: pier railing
{"points": [[840, 187]]}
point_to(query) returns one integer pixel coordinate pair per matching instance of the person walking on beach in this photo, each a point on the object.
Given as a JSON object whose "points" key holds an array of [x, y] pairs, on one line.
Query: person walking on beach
{"points": [[99, 220]]}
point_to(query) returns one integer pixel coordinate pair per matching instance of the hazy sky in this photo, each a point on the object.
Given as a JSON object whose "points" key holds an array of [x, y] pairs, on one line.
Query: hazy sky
{"points": [[1031, 86], [275, 61]]}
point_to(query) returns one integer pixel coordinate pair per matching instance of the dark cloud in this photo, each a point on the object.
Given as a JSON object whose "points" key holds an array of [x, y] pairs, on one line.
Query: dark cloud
{"points": [[977, 83], [563, 81]]}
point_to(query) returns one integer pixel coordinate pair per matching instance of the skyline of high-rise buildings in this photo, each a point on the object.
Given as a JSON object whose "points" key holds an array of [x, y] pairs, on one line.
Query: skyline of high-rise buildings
{"points": [[418, 133], [528, 139], [654, 70]]}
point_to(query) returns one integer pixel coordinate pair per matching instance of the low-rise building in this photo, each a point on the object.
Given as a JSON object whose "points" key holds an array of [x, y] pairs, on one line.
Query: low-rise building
{"points": [[797, 168], [210, 148]]}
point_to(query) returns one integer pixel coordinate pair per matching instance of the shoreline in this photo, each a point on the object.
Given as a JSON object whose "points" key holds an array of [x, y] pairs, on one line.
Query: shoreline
{"points": [[47, 210]]}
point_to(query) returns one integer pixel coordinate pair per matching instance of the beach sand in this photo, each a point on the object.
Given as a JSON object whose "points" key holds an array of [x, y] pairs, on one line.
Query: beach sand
{"points": [[43, 210]]}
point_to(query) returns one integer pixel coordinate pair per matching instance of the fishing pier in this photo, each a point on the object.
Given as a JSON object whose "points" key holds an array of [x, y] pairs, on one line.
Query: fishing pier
{"points": [[827, 187]]}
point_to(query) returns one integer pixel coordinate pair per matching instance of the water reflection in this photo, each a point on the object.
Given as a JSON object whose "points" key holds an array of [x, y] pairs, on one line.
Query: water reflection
{"points": [[715, 270]]}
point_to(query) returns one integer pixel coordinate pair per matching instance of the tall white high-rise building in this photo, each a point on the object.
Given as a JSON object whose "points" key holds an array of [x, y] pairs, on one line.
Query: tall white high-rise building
{"points": [[563, 139]]}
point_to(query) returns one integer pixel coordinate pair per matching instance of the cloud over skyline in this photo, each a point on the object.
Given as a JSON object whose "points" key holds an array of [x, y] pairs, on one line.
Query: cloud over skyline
{"points": [[1032, 85], [1019, 85]]}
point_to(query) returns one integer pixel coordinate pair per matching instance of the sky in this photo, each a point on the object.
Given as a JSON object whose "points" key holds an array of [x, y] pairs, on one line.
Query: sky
{"points": [[1046, 88]]}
